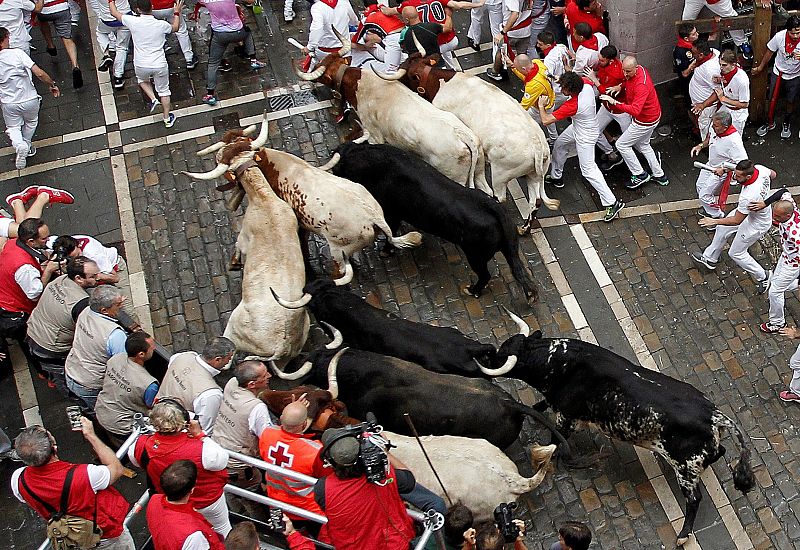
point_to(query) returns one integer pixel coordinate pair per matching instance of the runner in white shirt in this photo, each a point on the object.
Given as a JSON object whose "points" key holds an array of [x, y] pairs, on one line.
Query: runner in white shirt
{"points": [[786, 70], [702, 85], [515, 33], [589, 46], [112, 35], [743, 224], [733, 89], [725, 145], [12, 17], [19, 99], [149, 61], [583, 134], [327, 15]]}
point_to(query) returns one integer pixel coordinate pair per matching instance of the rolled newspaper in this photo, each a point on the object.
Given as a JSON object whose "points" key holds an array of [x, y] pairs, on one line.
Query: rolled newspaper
{"points": [[704, 166], [295, 43]]}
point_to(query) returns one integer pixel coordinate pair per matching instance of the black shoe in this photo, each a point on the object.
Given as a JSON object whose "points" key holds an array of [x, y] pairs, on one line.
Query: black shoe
{"points": [[343, 115], [613, 211], [105, 63], [638, 180], [52, 51], [493, 75], [193, 63], [474, 45], [225, 66], [118, 82], [558, 183], [612, 160], [77, 78]]}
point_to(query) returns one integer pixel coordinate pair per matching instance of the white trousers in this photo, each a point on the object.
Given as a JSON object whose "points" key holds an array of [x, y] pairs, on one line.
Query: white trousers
{"points": [[21, 120], [122, 542], [604, 118], [784, 279], [723, 8], [447, 52], [182, 33], [217, 515], [385, 59], [589, 169], [743, 237], [708, 184], [638, 136], [495, 12], [704, 121], [739, 119], [120, 38], [794, 363]]}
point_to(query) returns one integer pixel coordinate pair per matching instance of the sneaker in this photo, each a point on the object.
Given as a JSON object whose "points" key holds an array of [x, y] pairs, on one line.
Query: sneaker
{"points": [[638, 180], [474, 45], [288, 17], [763, 285], [769, 328], [31, 152], [341, 117], [747, 51], [169, 122], [52, 51], [77, 78], [788, 396], [613, 210], [154, 105], [764, 129], [786, 130], [118, 82], [661, 180], [255, 64], [700, 259], [209, 99], [612, 160], [192, 63], [493, 75], [57, 195], [22, 157], [225, 66], [25, 195], [558, 183], [105, 63]]}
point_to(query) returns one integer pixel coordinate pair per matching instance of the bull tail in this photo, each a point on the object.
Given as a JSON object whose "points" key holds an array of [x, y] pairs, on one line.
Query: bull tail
{"points": [[412, 239], [476, 177], [546, 422], [743, 477], [510, 251]]}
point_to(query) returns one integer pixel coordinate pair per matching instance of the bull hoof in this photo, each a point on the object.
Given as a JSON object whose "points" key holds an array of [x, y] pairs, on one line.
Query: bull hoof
{"points": [[468, 290], [681, 541], [524, 229], [533, 297]]}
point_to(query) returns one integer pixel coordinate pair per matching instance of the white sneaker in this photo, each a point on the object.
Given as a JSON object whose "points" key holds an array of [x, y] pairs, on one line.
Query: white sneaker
{"points": [[288, 17], [22, 157]]}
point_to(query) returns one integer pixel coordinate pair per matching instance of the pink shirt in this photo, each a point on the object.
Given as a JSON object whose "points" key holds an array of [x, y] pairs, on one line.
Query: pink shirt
{"points": [[224, 16]]}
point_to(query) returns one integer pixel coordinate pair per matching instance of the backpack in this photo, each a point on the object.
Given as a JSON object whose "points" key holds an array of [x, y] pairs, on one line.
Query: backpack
{"points": [[64, 531]]}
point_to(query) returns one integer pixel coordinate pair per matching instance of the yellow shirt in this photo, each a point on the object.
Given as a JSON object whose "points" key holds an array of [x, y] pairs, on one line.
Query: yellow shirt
{"points": [[536, 85]]}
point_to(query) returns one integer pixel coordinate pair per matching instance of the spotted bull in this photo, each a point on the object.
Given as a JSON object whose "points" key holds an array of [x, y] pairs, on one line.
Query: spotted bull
{"points": [[584, 383]]}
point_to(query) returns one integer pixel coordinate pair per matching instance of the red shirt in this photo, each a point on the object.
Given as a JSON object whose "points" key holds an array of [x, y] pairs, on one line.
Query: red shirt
{"points": [[641, 98], [431, 11], [12, 297], [576, 15], [171, 524], [375, 21], [609, 76]]}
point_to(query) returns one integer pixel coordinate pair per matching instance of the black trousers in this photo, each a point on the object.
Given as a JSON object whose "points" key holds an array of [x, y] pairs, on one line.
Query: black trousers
{"points": [[14, 325]]}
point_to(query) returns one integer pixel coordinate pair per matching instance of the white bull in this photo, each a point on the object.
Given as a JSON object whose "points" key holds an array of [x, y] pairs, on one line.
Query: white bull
{"points": [[392, 114], [474, 472]]}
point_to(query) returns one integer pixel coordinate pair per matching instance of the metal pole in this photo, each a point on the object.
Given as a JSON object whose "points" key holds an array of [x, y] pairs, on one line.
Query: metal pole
{"points": [[138, 506], [419, 441]]}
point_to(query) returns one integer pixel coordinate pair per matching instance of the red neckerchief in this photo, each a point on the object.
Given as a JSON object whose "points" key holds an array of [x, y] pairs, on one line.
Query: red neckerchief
{"points": [[591, 43], [728, 131], [726, 78], [726, 186], [330, 3], [790, 44], [683, 43], [701, 60], [547, 50], [532, 73], [370, 9]]}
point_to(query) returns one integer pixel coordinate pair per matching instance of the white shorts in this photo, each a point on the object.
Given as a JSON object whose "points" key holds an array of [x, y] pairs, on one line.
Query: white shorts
{"points": [[5, 223], [159, 75]]}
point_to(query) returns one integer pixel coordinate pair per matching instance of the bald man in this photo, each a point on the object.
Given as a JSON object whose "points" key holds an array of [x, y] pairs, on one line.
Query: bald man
{"points": [[287, 446], [641, 102], [784, 279]]}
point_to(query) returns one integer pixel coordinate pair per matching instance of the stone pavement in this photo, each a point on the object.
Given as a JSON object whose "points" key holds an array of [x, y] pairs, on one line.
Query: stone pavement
{"points": [[628, 286]]}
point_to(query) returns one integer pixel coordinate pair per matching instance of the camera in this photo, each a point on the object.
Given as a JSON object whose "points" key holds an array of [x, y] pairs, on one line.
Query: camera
{"points": [[504, 519], [372, 457], [275, 521]]}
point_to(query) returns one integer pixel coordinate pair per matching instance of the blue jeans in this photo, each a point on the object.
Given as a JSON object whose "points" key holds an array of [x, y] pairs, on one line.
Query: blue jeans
{"points": [[87, 396], [424, 499]]}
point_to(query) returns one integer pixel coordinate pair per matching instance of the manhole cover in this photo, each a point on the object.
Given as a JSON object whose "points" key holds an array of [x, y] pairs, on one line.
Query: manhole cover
{"points": [[223, 123], [281, 102]]}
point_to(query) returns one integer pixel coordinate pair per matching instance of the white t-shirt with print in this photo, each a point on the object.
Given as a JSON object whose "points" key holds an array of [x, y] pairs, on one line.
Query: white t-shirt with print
{"points": [[148, 35]]}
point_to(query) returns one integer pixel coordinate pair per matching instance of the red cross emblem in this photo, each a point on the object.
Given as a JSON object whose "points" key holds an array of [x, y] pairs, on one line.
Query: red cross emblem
{"points": [[280, 456]]}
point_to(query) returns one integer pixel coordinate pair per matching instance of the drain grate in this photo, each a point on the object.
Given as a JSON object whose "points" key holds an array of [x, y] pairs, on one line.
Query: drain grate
{"points": [[304, 97], [280, 102]]}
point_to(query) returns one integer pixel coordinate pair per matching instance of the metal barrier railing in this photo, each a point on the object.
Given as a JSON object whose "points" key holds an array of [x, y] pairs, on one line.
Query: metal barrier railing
{"points": [[432, 520]]}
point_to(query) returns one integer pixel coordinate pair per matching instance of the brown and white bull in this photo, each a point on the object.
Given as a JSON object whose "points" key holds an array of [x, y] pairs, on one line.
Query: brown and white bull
{"points": [[514, 144], [392, 114], [473, 471], [339, 210]]}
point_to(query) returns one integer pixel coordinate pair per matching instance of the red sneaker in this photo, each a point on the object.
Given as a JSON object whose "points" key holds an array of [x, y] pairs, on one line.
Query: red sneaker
{"points": [[25, 195], [789, 396], [769, 328], [57, 195]]}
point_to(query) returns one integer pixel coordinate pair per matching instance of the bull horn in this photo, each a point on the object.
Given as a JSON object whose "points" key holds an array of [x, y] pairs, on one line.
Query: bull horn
{"points": [[240, 160], [337, 336], [345, 40], [289, 304], [249, 130], [364, 137], [524, 329], [420, 49], [397, 75], [299, 373], [261, 139], [507, 366], [333, 385], [313, 75], [348, 274], [215, 173], [212, 148], [331, 163]]}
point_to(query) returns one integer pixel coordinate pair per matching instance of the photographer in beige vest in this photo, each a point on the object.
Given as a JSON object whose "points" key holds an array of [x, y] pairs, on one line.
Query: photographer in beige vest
{"points": [[98, 337], [241, 419], [51, 327], [127, 387], [190, 380]]}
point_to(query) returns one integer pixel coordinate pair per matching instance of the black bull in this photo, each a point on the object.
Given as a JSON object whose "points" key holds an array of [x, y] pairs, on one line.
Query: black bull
{"points": [[411, 190], [583, 382], [439, 404]]}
